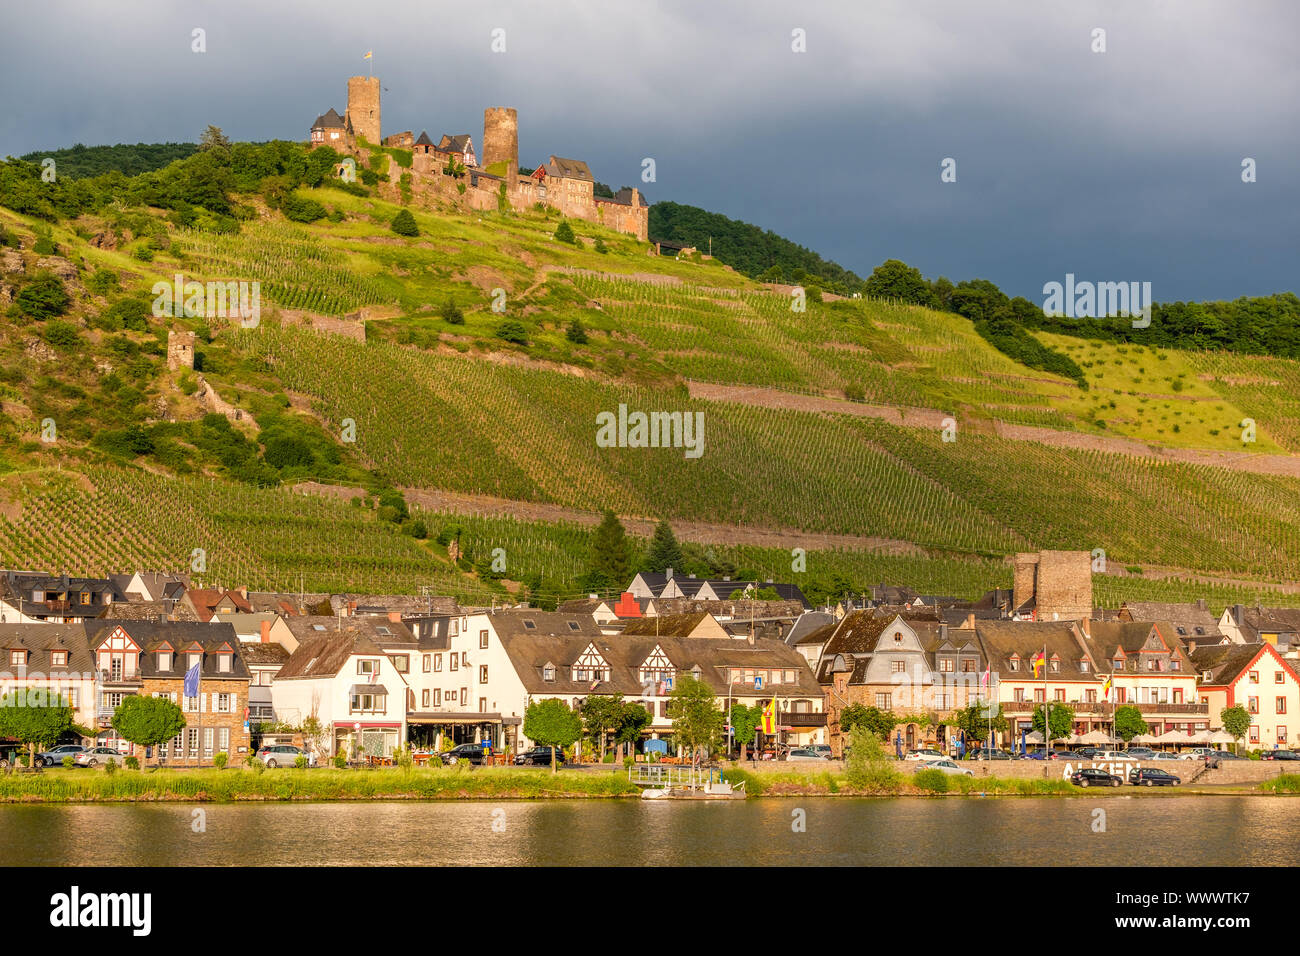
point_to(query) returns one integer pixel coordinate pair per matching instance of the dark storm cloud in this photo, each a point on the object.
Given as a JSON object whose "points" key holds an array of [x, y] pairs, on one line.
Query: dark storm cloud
{"points": [[1117, 165]]}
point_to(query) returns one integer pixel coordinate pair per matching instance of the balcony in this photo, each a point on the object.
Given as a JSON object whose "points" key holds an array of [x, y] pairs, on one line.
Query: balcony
{"points": [[126, 677], [1103, 709], [792, 719]]}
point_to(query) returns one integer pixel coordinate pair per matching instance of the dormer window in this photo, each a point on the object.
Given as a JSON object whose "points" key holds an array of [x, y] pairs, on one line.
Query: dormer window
{"points": [[1015, 663], [1056, 666], [223, 662], [17, 658], [1207, 675], [548, 672], [1083, 667], [58, 658], [164, 660], [574, 626], [193, 658], [530, 625]]}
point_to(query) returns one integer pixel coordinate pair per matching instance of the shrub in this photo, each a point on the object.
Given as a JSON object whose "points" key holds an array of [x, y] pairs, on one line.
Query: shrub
{"points": [[68, 762], [302, 209], [44, 246], [143, 253], [102, 282], [255, 764], [452, 313], [132, 763], [22, 760], [512, 331], [600, 246], [628, 761], [564, 233], [110, 767], [576, 333], [61, 335], [219, 760], [44, 297], [341, 760], [435, 761], [404, 224], [855, 393], [867, 766], [300, 762], [402, 758], [931, 779]]}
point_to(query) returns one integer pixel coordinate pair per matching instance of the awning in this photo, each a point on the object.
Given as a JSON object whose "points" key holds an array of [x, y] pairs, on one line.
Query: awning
{"points": [[368, 689], [458, 717]]}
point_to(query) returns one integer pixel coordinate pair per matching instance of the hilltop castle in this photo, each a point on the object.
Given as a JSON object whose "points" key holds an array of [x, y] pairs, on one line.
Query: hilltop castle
{"points": [[450, 171]]}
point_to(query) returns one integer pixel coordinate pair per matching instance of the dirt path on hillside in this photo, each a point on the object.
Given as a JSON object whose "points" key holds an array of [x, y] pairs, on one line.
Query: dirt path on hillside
{"points": [[700, 532], [1284, 465]]}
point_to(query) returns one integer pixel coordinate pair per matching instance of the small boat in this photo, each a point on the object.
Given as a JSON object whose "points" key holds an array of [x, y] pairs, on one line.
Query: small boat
{"points": [[656, 793]]}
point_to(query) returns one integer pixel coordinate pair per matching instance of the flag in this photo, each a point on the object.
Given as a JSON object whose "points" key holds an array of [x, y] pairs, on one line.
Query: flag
{"points": [[192, 681], [988, 671], [1105, 688], [369, 54], [769, 717], [1038, 661]]}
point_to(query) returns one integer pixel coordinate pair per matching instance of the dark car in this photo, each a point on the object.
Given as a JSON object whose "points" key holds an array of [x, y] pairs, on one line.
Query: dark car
{"points": [[989, 754], [1152, 777], [473, 753], [1140, 753], [539, 757], [1212, 760], [9, 753], [1087, 753], [1280, 755], [1095, 777]]}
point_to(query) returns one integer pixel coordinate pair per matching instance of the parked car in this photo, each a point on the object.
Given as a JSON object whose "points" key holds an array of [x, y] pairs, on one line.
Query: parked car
{"points": [[537, 757], [96, 756], [1112, 755], [1168, 756], [925, 754], [823, 749], [1280, 755], [1216, 757], [56, 754], [1140, 753], [803, 753], [946, 765], [1095, 777], [471, 752], [990, 753], [283, 755], [1152, 777], [1089, 753], [9, 754]]}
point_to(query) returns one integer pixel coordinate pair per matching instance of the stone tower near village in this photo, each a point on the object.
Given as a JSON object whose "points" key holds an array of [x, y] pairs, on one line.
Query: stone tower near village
{"points": [[180, 350], [363, 107], [500, 136]]}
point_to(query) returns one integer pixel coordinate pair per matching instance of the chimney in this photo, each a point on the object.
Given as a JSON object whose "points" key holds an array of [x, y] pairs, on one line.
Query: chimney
{"points": [[1238, 612], [668, 573], [266, 632], [969, 623], [943, 632], [1191, 647], [352, 608], [1085, 625], [1200, 604], [395, 617], [243, 591]]}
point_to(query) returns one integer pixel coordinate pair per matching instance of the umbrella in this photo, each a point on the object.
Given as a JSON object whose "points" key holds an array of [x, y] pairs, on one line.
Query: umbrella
{"points": [[1143, 739], [1172, 737], [1034, 737], [1200, 737], [1096, 737], [1222, 737], [1074, 739]]}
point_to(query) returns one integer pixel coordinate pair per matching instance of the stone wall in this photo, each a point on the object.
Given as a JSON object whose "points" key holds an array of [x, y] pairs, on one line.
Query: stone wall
{"points": [[500, 135], [363, 107], [232, 721], [1064, 586]]}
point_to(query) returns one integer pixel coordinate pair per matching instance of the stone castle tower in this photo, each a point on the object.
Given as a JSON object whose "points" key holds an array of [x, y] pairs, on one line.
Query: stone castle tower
{"points": [[500, 136], [363, 107], [180, 350]]}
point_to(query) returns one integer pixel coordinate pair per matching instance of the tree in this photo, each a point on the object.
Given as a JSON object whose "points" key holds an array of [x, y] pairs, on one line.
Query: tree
{"points": [[611, 553], [975, 721], [564, 233], [745, 722], [213, 138], [664, 551], [601, 714], [576, 332], [1129, 723], [866, 764], [879, 722], [632, 721], [1062, 722], [551, 723], [451, 313], [512, 331], [697, 721], [1236, 721], [404, 224], [148, 721], [35, 717], [43, 297], [893, 279]]}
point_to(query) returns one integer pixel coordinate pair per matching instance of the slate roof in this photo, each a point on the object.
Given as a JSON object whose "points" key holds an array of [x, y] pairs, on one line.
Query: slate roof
{"points": [[325, 653], [459, 143], [330, 119], [1190, 621], [665, 625], [999, 640], [1107, 637], [39, 639], [179, 636], [206, 599], [261, 654], [569, 169], [516, 621], [378, 630], [807, 625], [1225, 662], [624, 197], [424, 140], [148, 611]]}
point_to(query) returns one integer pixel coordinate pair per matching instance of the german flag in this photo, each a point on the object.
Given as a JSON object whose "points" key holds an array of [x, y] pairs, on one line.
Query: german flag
{"points": [[1105, 688], [1038, 662], [769, 717]]}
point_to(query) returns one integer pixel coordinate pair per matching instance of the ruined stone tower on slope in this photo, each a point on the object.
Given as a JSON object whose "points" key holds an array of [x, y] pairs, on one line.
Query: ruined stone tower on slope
{"points": [[363, 108], [500, 137]]}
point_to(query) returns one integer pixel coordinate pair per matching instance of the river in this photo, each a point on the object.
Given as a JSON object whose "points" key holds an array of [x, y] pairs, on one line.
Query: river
{"points": [[1144, 830]]}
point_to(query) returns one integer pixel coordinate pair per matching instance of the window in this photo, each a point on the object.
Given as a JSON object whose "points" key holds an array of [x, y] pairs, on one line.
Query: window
{"points": [[207, 741], [1118, 663], [969, 666], [1090, 696], [483, 640], [384, 631], [1019, 695], [464, 658], [1059, 695], [1281, 705], [482, 674], [883, 701], [548, 672], [367, 667], [1178, 695], [897, 666], [191, 659], [1281, 733], [428, 659], [1040, 696], [437, 696], [1083, 667], [223, 703], [74, 697], [223, 739], [1277, 677], [424, 698], [1056, 666], [898, 639], [402, 663], [1175, 664], [464, 696], [530, 625], [1254, 677], [1015, 663], [1252, 705], [58, 658], [193, 741], [17, 658], [573, 626], [164, 660], [454, 660], [437, 662], [223, 662], [482, 705], [1254, 734], [947, 665], [368, 703]]}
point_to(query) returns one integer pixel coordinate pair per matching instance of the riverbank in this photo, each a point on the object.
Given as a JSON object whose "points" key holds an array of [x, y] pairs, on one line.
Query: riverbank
{"points": [[510, 783]]}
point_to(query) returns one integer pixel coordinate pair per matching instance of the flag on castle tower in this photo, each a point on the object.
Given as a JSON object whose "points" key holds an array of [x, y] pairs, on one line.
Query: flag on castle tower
{"points": [[369, 54]]}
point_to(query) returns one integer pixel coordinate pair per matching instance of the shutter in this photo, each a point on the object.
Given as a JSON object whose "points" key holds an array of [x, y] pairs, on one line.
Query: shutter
{"points": [[214, 703]]}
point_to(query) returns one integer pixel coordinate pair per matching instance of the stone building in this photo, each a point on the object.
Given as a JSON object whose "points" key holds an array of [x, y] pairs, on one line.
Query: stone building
{"points": [[1053, 585], [363, 108], [180, 350]]}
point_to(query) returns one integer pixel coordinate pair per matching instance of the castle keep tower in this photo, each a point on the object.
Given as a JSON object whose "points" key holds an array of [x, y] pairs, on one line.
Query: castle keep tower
{"points": [[363, 107], [500, 136]]}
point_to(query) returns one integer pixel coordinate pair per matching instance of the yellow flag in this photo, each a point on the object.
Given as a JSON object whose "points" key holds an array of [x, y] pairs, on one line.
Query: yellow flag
{"points": [[369, 54], [769, 717]]}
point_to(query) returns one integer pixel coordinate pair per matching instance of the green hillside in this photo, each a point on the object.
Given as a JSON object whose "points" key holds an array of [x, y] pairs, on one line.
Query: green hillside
{"points": [[417, 382]]}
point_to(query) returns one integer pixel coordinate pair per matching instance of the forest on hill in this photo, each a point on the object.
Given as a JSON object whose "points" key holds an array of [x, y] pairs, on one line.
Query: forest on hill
{"points": [[129, 159]]}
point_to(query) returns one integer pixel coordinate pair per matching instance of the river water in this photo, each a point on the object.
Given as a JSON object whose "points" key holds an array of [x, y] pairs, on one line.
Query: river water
{"points": [[1144, 830]]}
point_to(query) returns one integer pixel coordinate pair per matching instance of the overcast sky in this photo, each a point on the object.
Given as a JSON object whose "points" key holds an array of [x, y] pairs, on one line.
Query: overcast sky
{"points": [[1116, 166]]}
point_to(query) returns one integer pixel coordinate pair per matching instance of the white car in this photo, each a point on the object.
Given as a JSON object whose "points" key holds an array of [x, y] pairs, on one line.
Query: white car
{"points": [[802, 753], [1173, 756], [924, 755], [1110, 755], [947, 766]]}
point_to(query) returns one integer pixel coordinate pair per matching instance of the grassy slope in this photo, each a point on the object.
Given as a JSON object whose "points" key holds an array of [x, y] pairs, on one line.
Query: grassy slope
{"points": [[496, 428]]}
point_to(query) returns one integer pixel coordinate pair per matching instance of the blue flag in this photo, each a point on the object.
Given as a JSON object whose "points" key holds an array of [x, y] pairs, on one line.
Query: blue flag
{"points": [[192, 681]]}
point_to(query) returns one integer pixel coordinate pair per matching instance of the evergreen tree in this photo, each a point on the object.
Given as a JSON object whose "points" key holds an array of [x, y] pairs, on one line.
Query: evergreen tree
{"points": [[665, 552], [611, 553]]}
